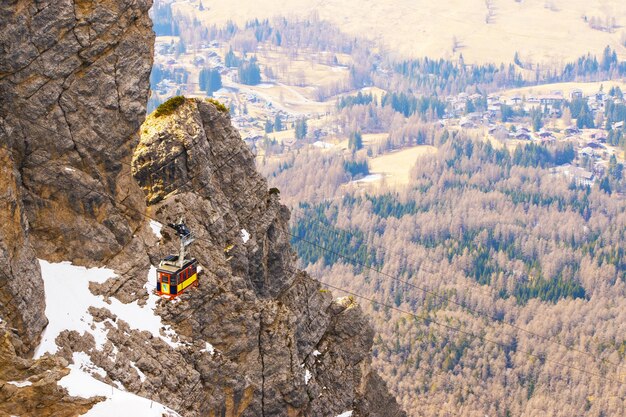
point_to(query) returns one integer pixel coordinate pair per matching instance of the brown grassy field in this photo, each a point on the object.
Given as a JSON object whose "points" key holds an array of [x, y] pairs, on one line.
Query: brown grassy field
{"points": [[548, 31], [396, 166]]}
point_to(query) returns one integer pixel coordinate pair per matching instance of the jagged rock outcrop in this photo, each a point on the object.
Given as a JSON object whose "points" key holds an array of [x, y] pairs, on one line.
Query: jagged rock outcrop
{"points": [[73, 87], [29, 387], [284, 345]]}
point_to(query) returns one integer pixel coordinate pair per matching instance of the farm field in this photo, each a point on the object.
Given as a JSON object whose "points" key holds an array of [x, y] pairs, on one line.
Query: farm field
{"points": [[396, 166]]}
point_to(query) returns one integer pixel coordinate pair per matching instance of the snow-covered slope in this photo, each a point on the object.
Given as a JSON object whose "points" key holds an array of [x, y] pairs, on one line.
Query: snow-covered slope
{"points": [[81, 383], [68, 300]]}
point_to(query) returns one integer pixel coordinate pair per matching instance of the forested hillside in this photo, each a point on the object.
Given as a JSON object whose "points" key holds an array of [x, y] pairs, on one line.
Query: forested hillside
{"points": [[497, 287], [460, 174]]}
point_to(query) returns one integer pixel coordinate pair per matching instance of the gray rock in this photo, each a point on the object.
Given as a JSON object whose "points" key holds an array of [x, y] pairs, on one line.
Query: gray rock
{"points": [[73, 87], [264, 318]]}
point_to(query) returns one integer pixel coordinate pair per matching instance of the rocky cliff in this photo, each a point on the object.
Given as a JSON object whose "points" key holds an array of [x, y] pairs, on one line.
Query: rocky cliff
{"points": [[73, 87], [257, 337], [284, 345]]}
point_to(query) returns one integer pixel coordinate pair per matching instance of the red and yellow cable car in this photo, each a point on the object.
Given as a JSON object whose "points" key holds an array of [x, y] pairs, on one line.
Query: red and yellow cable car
{"points": [[176, 273], [172, 280]]}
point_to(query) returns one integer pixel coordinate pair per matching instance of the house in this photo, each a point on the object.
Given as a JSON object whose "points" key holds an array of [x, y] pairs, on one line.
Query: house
{"points": [[499, 130], [466, 123], [587, 151], [290, 142], [618, 125], [572, 130], [576, 94], [582, 177], [475, 116], [595, 146], [522, 136], [551, 99], [493, 99]]}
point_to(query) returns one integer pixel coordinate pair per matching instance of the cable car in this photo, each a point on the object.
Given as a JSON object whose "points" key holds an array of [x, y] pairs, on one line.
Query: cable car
{"points": [[176, 273]]}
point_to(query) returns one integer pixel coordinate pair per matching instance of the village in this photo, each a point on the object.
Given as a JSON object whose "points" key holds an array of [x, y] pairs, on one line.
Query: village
{"points": [[267, 113], [592, 149]]}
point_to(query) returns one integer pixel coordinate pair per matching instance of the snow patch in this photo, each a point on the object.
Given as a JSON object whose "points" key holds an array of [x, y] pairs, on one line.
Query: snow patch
{"points": [[307, 376], [208, 348], [142, 376], [64, 281], [316, 353], [346, 414], [118, 403], [370, 178], [20, 384], [156, 228], [245, 236]]}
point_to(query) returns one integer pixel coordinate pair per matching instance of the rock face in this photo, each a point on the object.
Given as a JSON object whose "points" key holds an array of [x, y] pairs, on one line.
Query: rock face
{"points": [[284, 346], [73, 87], [74, 80], [30, 387], [22, 300]]}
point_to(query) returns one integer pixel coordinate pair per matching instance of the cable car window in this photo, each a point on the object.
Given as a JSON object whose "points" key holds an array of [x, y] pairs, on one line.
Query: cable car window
{"points": [[165, 279]]}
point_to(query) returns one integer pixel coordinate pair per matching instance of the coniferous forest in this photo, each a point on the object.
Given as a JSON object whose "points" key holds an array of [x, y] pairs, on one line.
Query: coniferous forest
{"points": [[484, 242]]}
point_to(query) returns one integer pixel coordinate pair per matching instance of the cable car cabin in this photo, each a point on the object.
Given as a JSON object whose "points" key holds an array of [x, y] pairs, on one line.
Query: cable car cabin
{"points": [[172, 279]]}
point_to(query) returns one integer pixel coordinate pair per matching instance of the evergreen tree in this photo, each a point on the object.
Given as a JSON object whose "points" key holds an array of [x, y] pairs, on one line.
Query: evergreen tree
{"points": [[507, 113], [585, 118], [278, 123], [249, 72], [536, 117], [180, 48], [269, 127], [355, 142], [605, 185], [209, 80], [301, 128], [231, 60], [615, 169]]}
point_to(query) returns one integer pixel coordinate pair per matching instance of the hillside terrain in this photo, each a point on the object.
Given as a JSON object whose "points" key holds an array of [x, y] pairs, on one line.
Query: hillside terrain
{"points": [[475, 209], [550, 32]]}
